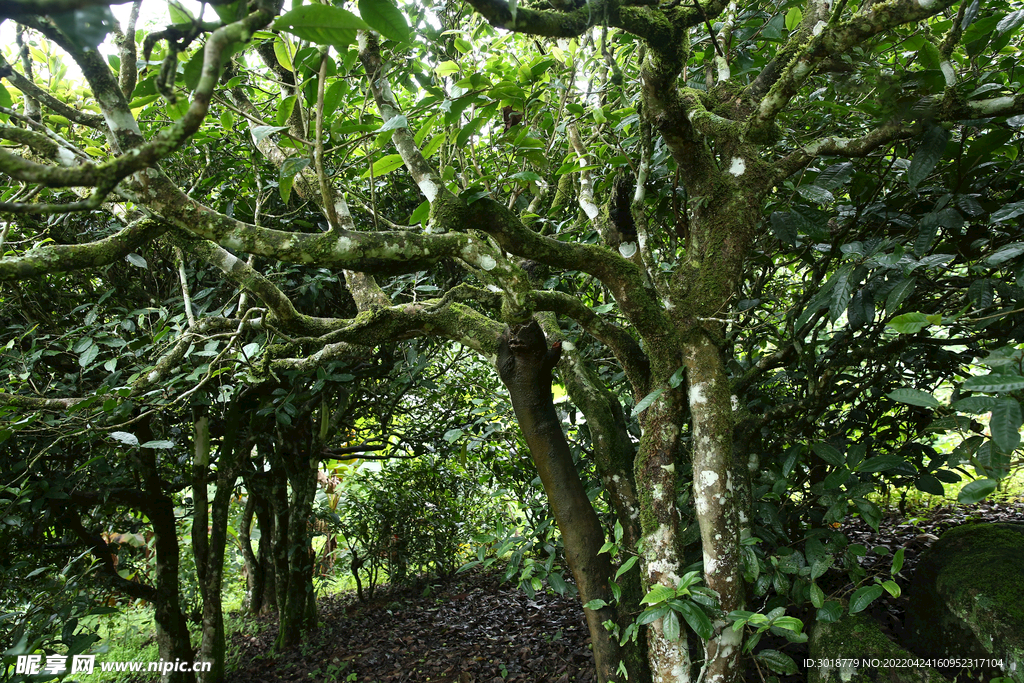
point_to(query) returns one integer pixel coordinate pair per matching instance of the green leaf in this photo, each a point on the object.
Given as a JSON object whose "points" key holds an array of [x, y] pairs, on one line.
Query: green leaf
{"points": [[817, 595], [125, 438], [914, 397], [841, 291], [929, 484], [384, 165], [820, 565], [626, 566], [230, 12], [696, 618], [829, 454], [1010, 22], [928, 154], [1005, 424], [830, 612], [385, 18], [976, 491], [136, 260], [777, 661], [283, 53], [332, 97], [789, 623], [446, 69], [322, 24], [897, 562], [869, 512], [899, 293], [929, 55], [658, 593], [421, 213], [880, 463], [647, 400], [285, 109], [261, 132], [862, 309], [863, 597], [88, 356], [670, 626], [813, 193], [525, 176], [785, 227], [835, 175], [86, 28], [434, 145], [1006, 213], [398, 121], [793, 18], [909, 323], [649, 614], [925, 237], [596, 604], [159, 444], [677, 377], [892, 587], [995, 383], [289, 169], [976, 405], [468, 131]]}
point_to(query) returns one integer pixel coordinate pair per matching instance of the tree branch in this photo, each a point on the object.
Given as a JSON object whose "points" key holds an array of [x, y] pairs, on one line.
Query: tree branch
{"points": [[828, 41], [64, 257]]}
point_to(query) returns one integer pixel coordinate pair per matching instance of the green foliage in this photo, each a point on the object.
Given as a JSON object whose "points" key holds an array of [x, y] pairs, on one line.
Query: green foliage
{"points": [[875, 287], [411, 516], [47, 607]]}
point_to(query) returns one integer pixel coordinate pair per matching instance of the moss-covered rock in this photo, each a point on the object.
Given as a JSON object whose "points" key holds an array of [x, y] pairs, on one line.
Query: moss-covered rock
{"points": [[967, 598], [854, 650]]}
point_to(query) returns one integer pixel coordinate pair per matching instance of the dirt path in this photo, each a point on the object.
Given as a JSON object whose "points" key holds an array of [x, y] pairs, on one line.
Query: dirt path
{"points": [[469, 630], [473, 629]]}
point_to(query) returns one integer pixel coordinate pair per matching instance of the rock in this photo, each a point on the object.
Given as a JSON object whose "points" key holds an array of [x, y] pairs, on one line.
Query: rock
{"points": [[854, 650], [967, 600]]}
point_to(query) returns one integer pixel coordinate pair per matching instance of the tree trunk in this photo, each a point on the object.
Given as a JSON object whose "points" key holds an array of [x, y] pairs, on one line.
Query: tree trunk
{"points": [[614, 455], [657, 473], [525, 364], [293, 557], [172, 636], [259, 565], [715, 497], [209, 550]]}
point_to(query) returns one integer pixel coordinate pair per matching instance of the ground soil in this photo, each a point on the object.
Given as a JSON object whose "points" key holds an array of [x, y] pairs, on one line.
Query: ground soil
{"points": [[472, 628]]}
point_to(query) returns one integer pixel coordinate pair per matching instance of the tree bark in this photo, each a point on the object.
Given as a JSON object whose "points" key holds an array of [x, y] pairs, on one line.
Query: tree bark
{"points": [[614, 455], [213, 520], [172, 636], [525, 364], [293, 557], [657, 473], [715, 497]]}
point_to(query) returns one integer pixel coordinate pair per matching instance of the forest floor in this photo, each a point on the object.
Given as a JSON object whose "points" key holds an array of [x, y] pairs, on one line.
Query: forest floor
{"points": [[474, 629]]}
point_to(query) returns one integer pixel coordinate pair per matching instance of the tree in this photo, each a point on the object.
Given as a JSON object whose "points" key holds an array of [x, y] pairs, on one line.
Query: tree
{"points": [[709, 147]]}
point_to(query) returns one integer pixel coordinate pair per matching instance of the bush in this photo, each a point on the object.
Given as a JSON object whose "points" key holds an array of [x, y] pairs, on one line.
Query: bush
{"points": [[411, 516]]}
